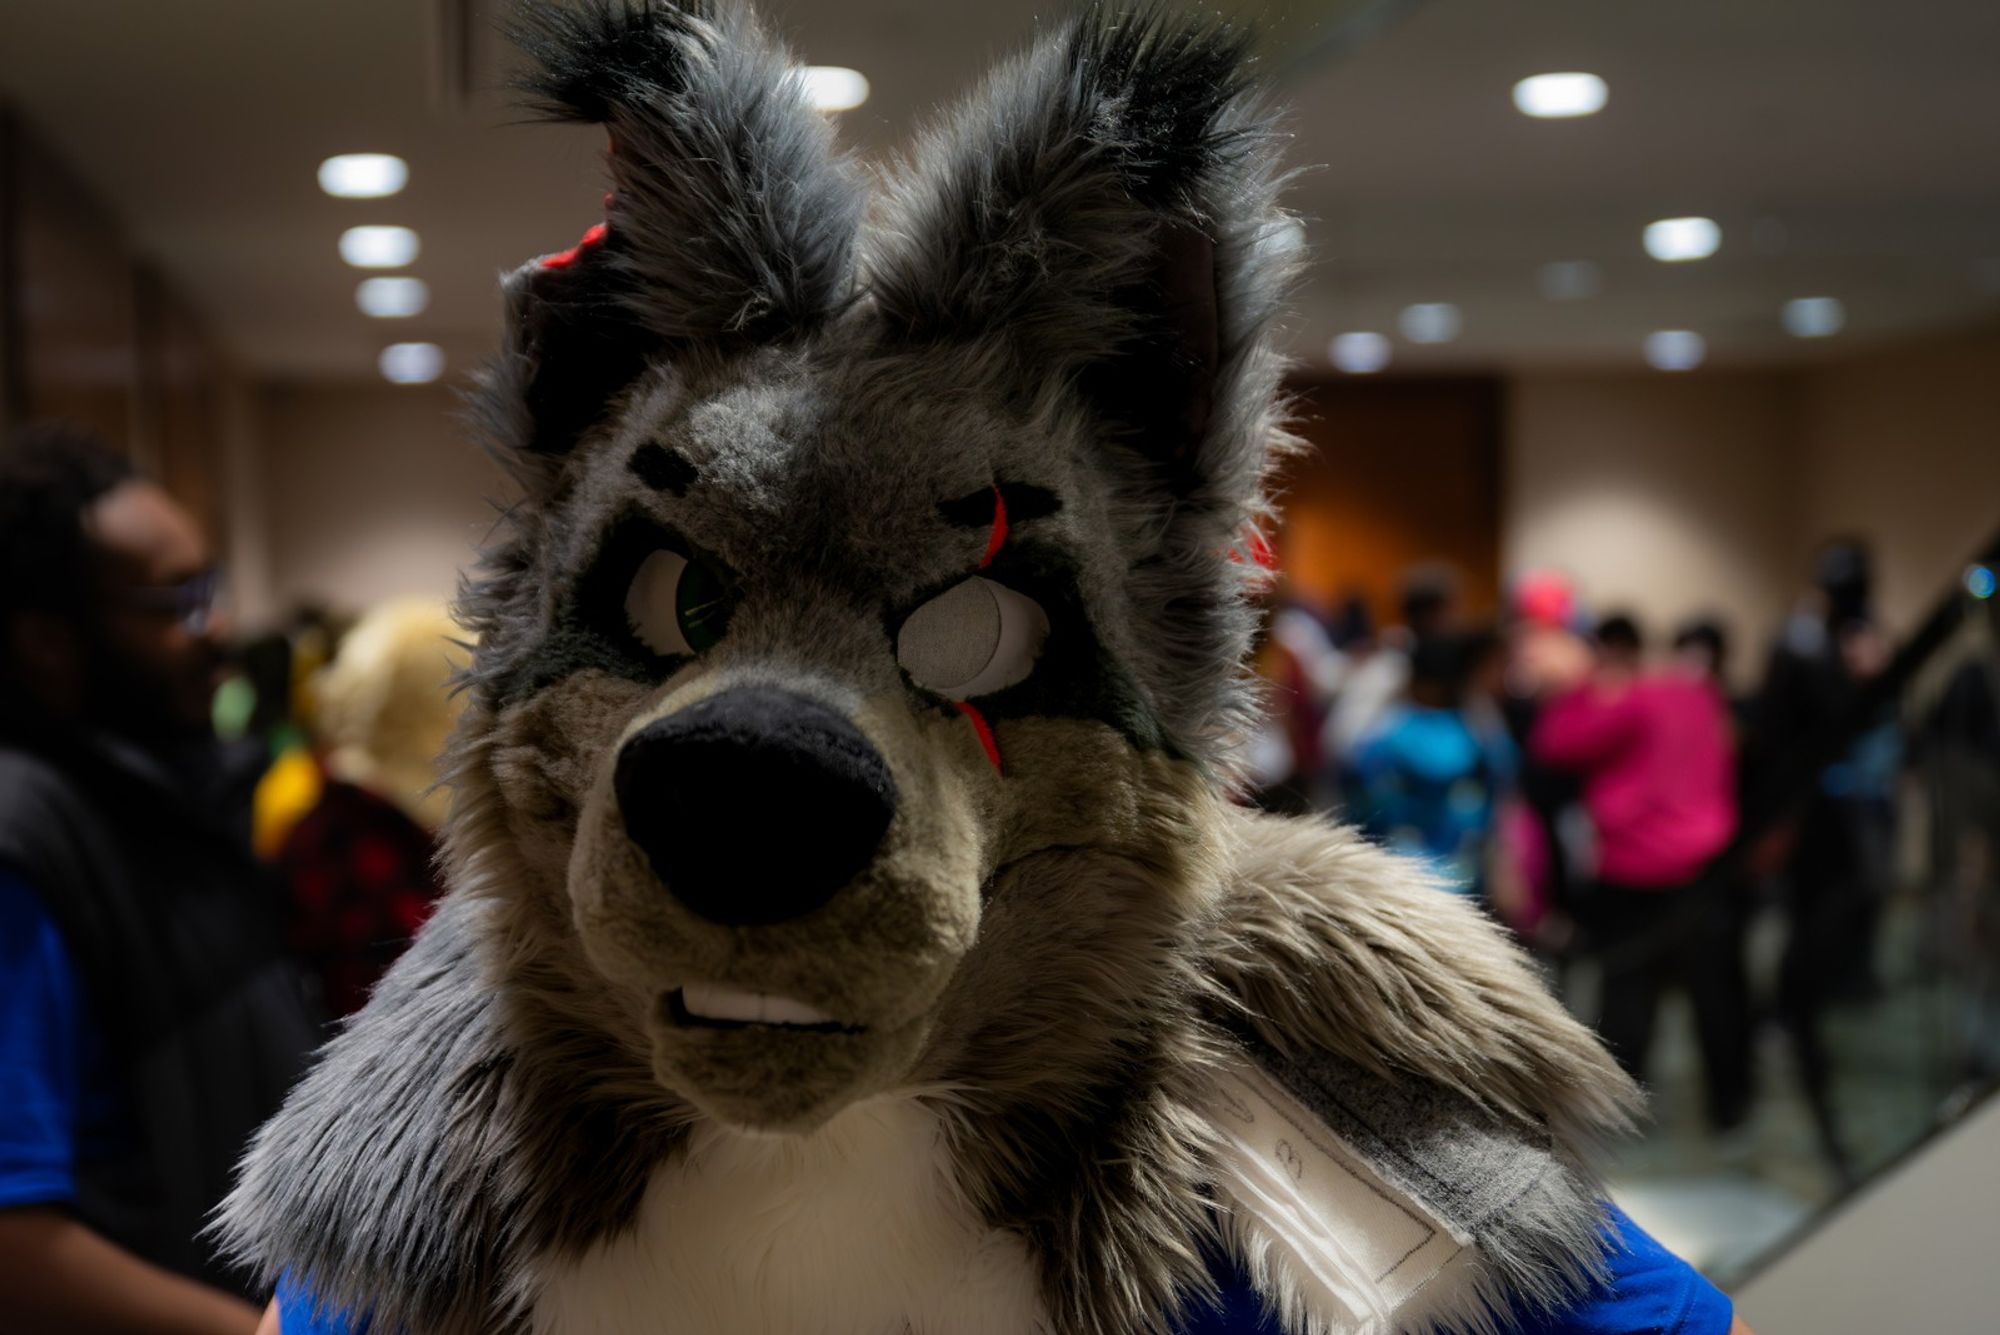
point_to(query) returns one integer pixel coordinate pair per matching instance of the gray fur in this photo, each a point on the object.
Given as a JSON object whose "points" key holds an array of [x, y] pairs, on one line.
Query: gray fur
{"points": [[426, 1157], [1090, 1146], [1424, 1038], [1073, 1058], [1023, 223], [1323, 903], [1069, 288], [732, 213]]}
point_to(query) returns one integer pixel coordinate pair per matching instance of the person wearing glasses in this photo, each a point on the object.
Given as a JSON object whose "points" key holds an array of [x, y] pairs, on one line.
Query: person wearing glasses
{"points": [[148, 1018]]}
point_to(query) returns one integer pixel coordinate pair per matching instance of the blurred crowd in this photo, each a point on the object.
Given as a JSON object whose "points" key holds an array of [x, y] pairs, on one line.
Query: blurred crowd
{"points": [[210, 850], [1599, 786]]}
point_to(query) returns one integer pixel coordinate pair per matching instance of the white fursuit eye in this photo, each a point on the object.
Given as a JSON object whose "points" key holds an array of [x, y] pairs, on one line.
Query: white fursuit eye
{"points": [[651, 603], [975, 638], [676, 606]]}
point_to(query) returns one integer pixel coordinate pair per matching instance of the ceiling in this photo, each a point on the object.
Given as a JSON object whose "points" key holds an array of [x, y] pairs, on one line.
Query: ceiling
{"points": [[1848, 148]]}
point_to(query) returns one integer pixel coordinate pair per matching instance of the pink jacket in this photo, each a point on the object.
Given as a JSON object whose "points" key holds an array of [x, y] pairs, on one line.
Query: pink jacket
{"points": [[1659, 773]]}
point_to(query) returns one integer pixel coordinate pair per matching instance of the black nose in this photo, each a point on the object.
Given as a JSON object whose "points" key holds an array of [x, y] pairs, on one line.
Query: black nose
{"points": [[755, 805]]}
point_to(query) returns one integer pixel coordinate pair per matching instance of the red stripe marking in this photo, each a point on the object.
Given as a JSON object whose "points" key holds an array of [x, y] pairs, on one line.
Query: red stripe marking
{"points": [[983, 728], [1262, 552], [998, 537], [590, 238]]}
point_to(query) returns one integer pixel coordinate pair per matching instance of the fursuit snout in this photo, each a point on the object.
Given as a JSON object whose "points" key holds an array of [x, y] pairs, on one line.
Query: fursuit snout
{"points": [[754, 806], [781, 882]]}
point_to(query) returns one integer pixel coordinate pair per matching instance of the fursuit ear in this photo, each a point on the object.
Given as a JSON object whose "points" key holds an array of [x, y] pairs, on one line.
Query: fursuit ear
{"points": [[731, 220], [1106, 209]]}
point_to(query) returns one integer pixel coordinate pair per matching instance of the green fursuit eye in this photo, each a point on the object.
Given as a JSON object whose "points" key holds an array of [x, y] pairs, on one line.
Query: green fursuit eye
{"points": [[702, 604]]}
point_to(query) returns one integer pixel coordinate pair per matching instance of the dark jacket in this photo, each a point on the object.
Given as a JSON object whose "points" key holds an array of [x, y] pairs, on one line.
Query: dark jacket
{"points": [[176, 931]]}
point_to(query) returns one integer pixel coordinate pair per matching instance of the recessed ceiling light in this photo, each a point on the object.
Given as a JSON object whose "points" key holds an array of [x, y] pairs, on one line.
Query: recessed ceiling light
{"points": [[1814, 317], [411, 363], [363, 175], [1430, 322], [378, 247], [1675, 349], [1570, 280], [1359, 353], [1674, 240], [835, 87], [1558, 96], [392, 298]]}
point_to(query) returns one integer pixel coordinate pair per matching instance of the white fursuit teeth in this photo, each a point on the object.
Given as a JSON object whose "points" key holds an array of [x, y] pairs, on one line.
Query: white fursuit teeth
{"points": [[734, 1005]]}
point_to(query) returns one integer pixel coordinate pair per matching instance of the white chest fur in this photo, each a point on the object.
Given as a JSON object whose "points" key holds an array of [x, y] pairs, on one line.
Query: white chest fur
{"points": [[857, 1229]]}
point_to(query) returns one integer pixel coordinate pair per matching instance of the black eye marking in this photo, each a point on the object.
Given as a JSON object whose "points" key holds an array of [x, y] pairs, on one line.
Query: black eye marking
{"points": [[1024, 501], [973, 511], [662, 469]]}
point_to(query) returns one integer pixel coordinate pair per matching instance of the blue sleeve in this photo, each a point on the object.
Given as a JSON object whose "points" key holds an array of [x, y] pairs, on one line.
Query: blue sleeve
{"points": [[41, 1043], [300, 1314], [1652, 1292]]}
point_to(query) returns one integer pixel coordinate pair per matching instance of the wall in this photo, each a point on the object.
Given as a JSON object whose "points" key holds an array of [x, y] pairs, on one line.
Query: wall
{"points": [[92, 334], [1905, 450], [1666, 496], [1914, 1251], [365, 492], [1672, 495], [68, 297]]}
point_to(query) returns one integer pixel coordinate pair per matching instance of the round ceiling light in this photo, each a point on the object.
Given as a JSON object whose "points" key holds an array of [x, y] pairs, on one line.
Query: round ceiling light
{"points": [[1677, 240], [1560, 96], [363, 175], [1814, 317], [1430, 322], [835, 87], [1675, 349], [411, 363], [392, 298], [1359, 353], [378, 247]]}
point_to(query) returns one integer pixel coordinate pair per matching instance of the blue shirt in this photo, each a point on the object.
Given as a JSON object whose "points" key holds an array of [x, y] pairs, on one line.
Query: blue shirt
{"points": [[1426, 783], [1651, 1292], [61, 1101]]}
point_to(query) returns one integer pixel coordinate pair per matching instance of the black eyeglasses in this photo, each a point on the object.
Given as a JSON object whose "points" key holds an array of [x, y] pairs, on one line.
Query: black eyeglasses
{"points": [[191, 602]]}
